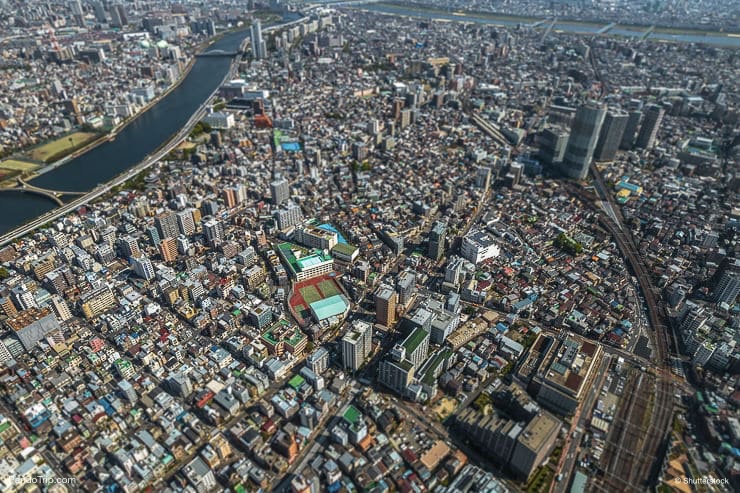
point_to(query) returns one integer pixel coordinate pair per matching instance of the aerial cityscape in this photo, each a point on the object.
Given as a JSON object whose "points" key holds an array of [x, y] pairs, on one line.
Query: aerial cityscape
{"points": [[369, 246]]}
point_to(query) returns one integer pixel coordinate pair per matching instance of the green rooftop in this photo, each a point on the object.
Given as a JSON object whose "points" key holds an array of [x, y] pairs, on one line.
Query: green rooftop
{"points": [[344, 249], [352, 414], [414, 339], [297, 382]]}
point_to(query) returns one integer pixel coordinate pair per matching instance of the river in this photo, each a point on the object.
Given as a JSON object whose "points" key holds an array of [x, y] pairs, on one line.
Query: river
{"points": [[141, 137], [571, 27]]}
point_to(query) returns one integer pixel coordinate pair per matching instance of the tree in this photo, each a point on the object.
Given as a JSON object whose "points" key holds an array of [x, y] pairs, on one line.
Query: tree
{"points": [[4, 274]]}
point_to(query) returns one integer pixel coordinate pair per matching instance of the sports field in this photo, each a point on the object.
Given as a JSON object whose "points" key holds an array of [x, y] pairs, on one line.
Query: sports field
{"points": [[57, 149], [311, 291]]}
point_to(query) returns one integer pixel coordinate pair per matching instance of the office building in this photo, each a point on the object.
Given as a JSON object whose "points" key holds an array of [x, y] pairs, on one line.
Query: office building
{"points": [[385, 306], [611, 134], [259, 47], [99, 12], [534, 444], [357, 345], [143, 267], [552, 142], [280, 191], [562, 370], [650, 125], [437, 237], [630, 130], [118, 16], [166, 224], [288, 216], [582, 141]]}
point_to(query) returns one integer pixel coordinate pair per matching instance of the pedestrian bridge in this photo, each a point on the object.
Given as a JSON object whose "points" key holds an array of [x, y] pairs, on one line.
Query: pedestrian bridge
{"points": [[53, 195]]}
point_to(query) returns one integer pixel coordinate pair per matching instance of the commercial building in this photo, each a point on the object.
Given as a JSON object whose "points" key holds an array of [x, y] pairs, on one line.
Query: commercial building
{"points": [[630, 129], [534, 444], [478, 246], [32, 325], [565, 371], [582, 141]]}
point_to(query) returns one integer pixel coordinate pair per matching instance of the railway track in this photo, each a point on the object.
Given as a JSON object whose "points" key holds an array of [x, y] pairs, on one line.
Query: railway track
{"points": [[632, 452]]}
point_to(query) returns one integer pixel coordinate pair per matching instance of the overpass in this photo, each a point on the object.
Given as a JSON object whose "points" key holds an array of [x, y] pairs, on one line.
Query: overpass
{"points": [[218, 53], [53, 195]]}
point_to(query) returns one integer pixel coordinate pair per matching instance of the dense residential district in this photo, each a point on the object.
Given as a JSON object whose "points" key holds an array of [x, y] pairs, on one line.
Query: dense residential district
{"points": [[397, 254]]}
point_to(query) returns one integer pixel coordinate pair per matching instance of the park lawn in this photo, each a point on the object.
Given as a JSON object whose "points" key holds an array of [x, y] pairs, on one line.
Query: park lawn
{"points": [[310, 294], [18, 165], [57, 149], [328, 288]]}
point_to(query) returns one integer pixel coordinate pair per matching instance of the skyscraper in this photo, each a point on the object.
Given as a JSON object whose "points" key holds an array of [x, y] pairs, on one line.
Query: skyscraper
{"points": [[385, 305], [280, 190], [437, 238], [118, 16], [630, 130], [650, 124], [259, 48], [611, 135], [552, 142], [582, 141], [357, 345]]}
